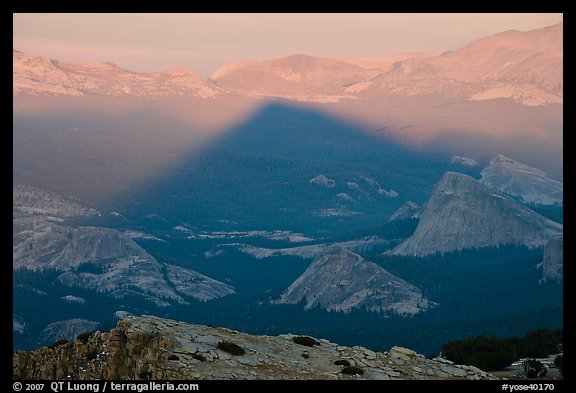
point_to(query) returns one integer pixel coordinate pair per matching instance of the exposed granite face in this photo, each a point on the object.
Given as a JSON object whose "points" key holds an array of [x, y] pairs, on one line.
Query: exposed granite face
{"points": [[407, 211], [154, 348], [68, 329], [341, 281], [462, 214], [31, 201], [553, 260], [522, 182], [102, 259]]}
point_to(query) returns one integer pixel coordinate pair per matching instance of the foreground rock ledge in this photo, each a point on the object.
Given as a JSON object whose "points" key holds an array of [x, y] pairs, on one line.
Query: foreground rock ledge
{"points": [[148, 347]]}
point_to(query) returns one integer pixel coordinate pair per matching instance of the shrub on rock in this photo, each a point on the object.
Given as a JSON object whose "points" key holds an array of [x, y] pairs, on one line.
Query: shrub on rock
{"points": [[352, 370], [231, 348], [305, 340], [58, 343], [83, 337]]}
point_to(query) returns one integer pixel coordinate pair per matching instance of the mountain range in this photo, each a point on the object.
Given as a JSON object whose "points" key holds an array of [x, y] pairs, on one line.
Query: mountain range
{"points": [[38, 75], [492, 91], [372, 201], [523, 66]]}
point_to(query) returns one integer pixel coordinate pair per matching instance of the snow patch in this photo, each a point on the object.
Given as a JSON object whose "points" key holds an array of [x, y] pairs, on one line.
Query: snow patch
{"points": [[74, 299], [181, 228], [278, 235], [18, 324], [335, 212], [389, 193], [466, 161], [323, 181], [141, 235], [524, 94], [311, 251], [121, 314], [345, 197]]}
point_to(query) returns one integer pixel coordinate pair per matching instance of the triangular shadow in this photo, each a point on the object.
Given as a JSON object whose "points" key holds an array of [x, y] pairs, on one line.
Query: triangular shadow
{"points": [[257, 175]]}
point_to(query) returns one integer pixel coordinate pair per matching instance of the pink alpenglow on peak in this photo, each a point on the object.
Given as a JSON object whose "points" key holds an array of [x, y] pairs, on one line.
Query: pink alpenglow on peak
{"points": [[37, 75]]}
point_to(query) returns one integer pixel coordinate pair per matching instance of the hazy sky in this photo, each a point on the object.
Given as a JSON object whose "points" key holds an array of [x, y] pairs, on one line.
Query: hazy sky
{"points": [[204, 42]]}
